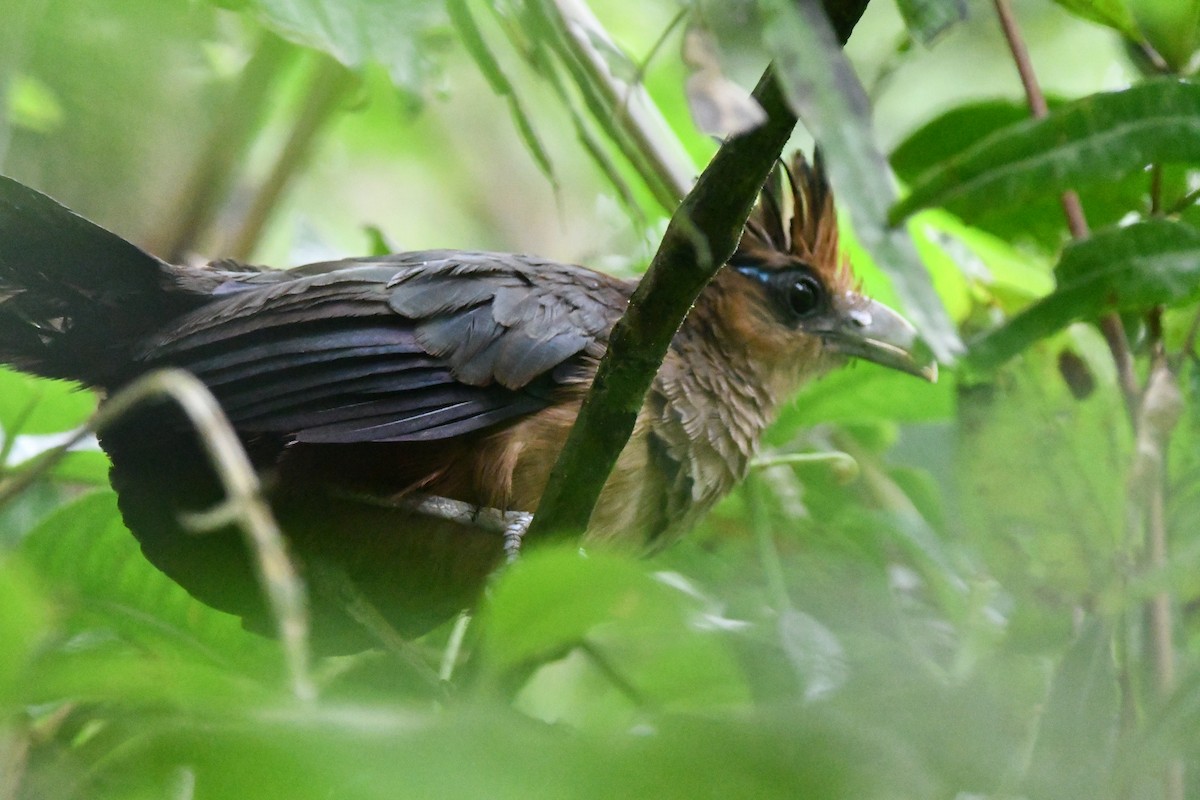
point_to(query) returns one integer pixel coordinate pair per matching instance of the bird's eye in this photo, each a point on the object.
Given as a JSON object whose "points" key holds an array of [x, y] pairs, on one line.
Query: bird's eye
{"points": [[804, 296]]}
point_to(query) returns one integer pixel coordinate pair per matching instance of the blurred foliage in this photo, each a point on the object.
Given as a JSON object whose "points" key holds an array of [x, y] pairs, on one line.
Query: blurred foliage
{"points": [[975, 610]]}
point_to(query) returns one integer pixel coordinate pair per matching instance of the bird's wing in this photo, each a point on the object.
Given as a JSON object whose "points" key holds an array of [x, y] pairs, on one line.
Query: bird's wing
{"points": [[418, 346]]}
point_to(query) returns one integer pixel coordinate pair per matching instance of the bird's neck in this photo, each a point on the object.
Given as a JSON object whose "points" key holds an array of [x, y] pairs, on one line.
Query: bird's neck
{"points": [[713, 398]]}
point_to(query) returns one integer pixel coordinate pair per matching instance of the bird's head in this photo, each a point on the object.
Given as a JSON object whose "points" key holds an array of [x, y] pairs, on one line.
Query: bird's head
{"points": [[796, 300]]}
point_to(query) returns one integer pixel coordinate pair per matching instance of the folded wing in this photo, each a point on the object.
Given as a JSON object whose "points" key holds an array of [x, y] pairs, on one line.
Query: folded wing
{"points": [[413, 347]]}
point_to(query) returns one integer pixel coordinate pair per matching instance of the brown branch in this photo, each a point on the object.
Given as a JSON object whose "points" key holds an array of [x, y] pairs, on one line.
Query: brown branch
{"points": [[1110, 324], [702, 234]]}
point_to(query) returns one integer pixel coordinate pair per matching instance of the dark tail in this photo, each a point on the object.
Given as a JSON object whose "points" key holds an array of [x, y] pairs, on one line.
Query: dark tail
{"points": [[73, 296]]}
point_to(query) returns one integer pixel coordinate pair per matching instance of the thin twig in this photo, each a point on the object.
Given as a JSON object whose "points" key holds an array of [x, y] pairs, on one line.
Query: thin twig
{"points": [[454, 645], [1159, 414], [244, 502], [1110, 324], [844, 465]]}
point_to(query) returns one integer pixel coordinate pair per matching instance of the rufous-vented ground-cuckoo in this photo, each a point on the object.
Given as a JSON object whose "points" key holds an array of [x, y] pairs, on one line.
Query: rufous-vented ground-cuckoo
{"points": [[450, 373]]}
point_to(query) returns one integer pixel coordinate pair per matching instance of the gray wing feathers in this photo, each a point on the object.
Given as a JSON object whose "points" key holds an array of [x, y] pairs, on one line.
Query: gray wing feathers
{"points": [[408, 347]]}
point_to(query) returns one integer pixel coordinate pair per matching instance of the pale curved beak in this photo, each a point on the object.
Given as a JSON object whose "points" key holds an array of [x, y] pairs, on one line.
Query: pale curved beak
{"points": [[874, 332]]}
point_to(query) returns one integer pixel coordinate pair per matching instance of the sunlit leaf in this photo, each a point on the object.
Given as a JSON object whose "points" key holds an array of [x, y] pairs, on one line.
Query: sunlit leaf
{"points": [[1171, 27], [1115, 14], [24, 616], [1100, 138], [1142, 265], [31, 405]]}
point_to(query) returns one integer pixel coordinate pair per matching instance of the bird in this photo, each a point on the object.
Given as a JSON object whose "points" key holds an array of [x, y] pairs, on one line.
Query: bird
{"points": [[354, 384]]}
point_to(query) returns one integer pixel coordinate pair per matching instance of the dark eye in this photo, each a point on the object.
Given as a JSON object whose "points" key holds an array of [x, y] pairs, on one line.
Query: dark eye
{"points": [[804, 296]]}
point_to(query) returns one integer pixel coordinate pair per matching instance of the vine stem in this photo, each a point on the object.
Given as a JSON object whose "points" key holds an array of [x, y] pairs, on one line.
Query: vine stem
{"points": [[1151, 429], [1110, 324]]}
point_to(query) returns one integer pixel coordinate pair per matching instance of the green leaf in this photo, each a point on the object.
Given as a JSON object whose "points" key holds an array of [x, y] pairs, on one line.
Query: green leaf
{"points": [[1114, 14], [35, 405], [665, 640], [926, 20], [1040, 221], [23, 620], [1100, 138], [823, 90], [1078, 729], [85, 553], [1132, 268], [359, 32], [1171, 27]]}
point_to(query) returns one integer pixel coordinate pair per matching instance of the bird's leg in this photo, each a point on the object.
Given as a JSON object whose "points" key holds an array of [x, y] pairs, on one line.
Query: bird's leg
{"points": [[511, 524], [514, 533]]}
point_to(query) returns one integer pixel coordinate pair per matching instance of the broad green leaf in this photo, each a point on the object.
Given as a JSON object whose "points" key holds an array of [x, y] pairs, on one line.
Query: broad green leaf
{"points": [[24, 617], [1100, 138], [1171, 27], [31, 405], [85, 553], [359, 32], [823, 90], [1039, 221], [1149, 263], [1113, 13], [926, 20], [657, 629], [865, 392]]}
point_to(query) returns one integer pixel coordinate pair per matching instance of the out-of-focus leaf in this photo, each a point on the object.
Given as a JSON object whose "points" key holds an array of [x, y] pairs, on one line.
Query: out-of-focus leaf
{"points": [[926, 20], [83, 466], [31, 405], [23, 620], [719, 106], [660, 636], [1115, 14], [1145, 264], [85, 553], [815, 653], [866, 392], [1171, 27], [823, 90], [363, 752], [1046, 491], [1100, 138], [359, 32], [472, 39], [1079, 727], [33, 105]]}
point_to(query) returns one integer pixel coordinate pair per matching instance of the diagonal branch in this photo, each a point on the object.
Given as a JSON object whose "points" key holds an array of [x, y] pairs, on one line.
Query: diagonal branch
{"points": [[702, 234]]}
